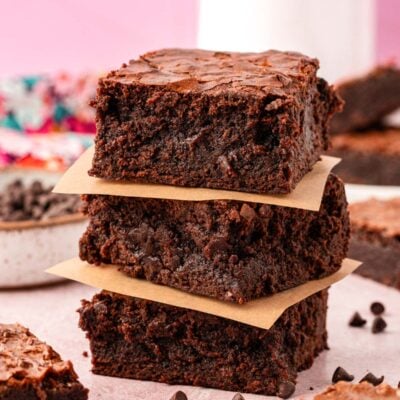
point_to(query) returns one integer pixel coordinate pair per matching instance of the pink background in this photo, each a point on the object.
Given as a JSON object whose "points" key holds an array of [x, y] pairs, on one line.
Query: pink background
{"points": [[388, 30], [46, 35]]}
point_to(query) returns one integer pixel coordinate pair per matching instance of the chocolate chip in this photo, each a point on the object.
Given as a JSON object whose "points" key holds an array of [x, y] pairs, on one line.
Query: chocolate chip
{"points": [[85, 354], [377, 308], [19, 202], [341, 374], [357, 321], [311, 388], [238, 396], [379, 325], [371, 378], [398, 385], [179, 395], [286, 389]]}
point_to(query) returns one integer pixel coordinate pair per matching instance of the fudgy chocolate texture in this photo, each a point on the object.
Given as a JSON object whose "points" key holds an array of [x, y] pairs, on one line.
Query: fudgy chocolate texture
{"points": [[362, 391], [139, 339], [32, 370], [368, 99], [228, 250], [375, 239], [254, 122], [370, 157]]}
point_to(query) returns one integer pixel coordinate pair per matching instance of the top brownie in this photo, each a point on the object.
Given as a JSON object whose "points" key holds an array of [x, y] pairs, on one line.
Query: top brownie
{"points": [[254, 122]]}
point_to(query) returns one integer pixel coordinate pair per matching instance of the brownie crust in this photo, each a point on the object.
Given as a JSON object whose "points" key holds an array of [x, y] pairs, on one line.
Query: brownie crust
{"points": [[254, 122], [32, 370], [370, 157], [375, 240], [228, 250], [368, 99], [139, 339]]}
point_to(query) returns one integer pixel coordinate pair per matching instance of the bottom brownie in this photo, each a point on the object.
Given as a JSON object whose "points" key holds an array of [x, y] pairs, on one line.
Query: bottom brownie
{"points": [[140, 339], [375, 240]]}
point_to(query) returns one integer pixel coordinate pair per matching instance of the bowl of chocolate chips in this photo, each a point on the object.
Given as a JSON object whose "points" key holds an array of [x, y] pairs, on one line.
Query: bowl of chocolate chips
{"points": [[38, 228]]}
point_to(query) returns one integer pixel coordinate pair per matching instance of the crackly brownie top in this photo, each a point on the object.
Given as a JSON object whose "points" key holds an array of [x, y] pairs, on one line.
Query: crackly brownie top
{"points": [[386, 141], [271, 72], [360, 391], [24, 356], [377, 215]]}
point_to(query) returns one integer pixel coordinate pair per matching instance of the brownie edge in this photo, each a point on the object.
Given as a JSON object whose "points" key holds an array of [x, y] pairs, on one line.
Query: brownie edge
{"points": [[254, 122], [32, 370], [139, 339]]}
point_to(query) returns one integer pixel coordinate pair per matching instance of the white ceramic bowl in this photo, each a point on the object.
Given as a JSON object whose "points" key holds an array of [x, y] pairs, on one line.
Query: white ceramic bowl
{"points": [[28, 248]]}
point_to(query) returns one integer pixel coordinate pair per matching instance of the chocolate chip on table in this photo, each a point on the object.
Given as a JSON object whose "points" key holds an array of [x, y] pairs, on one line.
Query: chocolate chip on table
{"points": [[341, 374], [371, 378], [377, 308], [357, 321], [238, 396], [179, 395], [286, 389], [379, 325]]}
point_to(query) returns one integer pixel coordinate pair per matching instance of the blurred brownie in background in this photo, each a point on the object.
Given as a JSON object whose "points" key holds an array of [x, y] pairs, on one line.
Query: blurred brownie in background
{"points": [[375, 239], [370, 157], [31, 370], [368, 99]]}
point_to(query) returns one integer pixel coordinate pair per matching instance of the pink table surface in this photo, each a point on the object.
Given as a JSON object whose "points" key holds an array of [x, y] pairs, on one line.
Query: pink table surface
{"points": [[50, 314]]}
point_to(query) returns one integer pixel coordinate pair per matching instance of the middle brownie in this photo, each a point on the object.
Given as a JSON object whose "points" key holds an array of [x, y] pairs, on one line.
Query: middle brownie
{"points": [[228, 250]]}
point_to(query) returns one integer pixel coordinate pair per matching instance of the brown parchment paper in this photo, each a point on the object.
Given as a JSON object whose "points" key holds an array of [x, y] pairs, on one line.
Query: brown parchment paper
{"points": [[261, 313], [307, 195]]}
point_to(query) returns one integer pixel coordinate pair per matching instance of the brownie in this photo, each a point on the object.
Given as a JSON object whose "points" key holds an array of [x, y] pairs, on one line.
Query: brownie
{"points": [[228, 250], [375, 239], [32, 370], [363, 390], [368, 99], [255, 122], [371, 157], [140, 339]]}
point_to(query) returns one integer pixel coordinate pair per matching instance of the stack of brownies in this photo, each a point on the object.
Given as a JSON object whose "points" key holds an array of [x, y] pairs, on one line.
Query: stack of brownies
{"points": [[243, 122]]}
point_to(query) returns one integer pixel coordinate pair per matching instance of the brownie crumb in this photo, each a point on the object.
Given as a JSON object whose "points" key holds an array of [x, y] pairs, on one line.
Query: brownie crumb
{"points": [[357, 321], [379, 325], [238, 396], [286, 389], [179, 395], [341, 374], [377, 308], [85, 354], [372, 379]]}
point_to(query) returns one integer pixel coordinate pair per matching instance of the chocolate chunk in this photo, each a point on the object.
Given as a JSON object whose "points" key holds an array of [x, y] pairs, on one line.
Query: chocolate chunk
{"points": [[371, 378], [179, 395], [19, 202], [379, 325], [286, 389], [377, 308], [341, 374], [238, 396], [357, 321]]}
